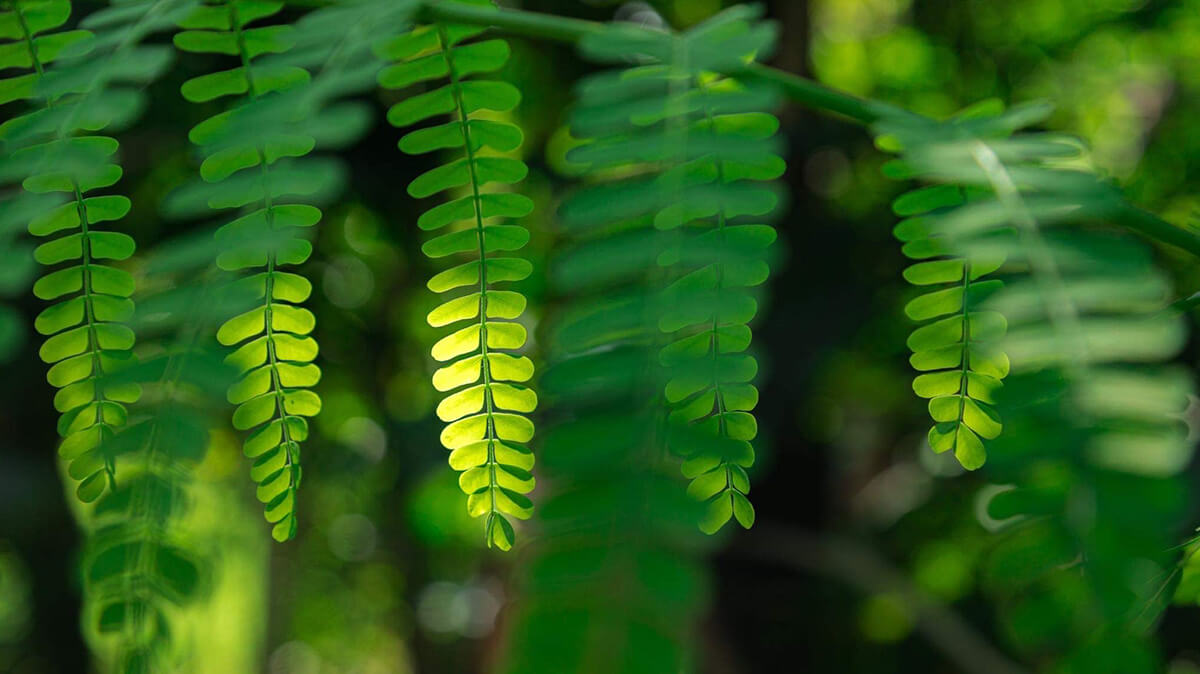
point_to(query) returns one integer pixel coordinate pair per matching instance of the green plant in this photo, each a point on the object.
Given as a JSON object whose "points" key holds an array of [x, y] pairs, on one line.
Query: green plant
{"points": [[1086, 333], [245, 167], [957, 354], [1044, 329], [275, 352], [649, 359], [487, 428], [87, 343]]}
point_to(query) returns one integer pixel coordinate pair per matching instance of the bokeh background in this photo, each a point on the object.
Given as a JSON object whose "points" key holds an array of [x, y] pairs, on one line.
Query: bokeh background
{"points": [[857, 521]]}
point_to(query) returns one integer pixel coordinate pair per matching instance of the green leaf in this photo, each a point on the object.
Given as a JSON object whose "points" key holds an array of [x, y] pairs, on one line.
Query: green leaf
{"points": [[59, 283], [937, 384], [505, 367], [474, 425], [455, 310], [505, 205], [499, 532], [17, 89], [111, 245], [460, 373], [420, 108], [242, 327], [249, 11], [968, 449], [479, 57], [206, 42], [927, 199], [505, 304], [440, 137], [496, 238], [484, 95], [718, 512], [499, 136], [38, 17], [939, 271], [215, 85], [743, 510]]}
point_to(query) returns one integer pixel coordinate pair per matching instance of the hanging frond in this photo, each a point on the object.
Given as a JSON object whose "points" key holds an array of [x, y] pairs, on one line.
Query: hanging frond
{"points": [[255, 159], [699, 149], [956, 348], [1093, 444], [276, 359], [720, 255], [143, 565], [134, 568], [647, 358], [76, 81], [486, 413]]}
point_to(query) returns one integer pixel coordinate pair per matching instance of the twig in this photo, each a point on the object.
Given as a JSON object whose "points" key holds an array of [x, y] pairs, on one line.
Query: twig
{"points": [[799, 89], [859, 567]]}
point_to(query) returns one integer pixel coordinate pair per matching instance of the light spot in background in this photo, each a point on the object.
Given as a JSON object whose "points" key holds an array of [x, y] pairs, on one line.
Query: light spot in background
{"points": [[361, 229], [641, 14], [382, 584], [348, 282], [827, 172], [893, 493], [905, 58], [390, 656], [437, 514], [944, 569], [365, 436], [294, 657], [861, 433], [1182, 666], [353, 537], [485, 606], [822, 419], [409, 396], [14, 597], [851, 19], [845, 65], [691, 12], [442, 608], [937, 465], [985, 496], [884, 618], [449, 608]]}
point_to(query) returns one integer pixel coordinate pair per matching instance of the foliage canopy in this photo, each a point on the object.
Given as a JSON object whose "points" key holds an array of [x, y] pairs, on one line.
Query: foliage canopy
{"points": [[1043, 335]]}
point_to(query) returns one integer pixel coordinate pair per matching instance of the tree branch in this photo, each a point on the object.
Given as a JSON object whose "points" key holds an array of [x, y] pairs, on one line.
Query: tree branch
{"points": [[859, 567], [799, 89]]}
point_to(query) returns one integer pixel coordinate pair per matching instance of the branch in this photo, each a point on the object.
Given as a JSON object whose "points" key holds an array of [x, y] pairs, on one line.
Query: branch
{"points": [[859, 567], [570, 30], [801, 90]]}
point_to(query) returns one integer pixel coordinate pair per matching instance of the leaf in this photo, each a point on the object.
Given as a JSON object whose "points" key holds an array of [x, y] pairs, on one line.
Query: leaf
{"points": [[1065, 278], [718, 512], [743, 510], [255, 157], [442, 54], [490, 206], [215, 85], [500, 533]]}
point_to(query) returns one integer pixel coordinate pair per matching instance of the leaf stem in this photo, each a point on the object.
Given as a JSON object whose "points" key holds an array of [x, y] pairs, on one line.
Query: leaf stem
{"points": [[277, 388]]}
